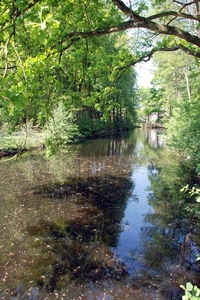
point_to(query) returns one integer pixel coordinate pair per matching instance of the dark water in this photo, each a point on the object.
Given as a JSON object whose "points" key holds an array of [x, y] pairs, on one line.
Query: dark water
{"points": [[96, 222]]}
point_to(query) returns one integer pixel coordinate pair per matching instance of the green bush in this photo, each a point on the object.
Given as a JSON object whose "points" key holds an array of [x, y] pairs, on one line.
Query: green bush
{"points": [[192, 292], [90, 127], [61, 129], [184, 131]]}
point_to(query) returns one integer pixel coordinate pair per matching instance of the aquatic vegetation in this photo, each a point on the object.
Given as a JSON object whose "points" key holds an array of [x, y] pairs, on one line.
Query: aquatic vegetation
{"points": [[79, 249], [103, 221], [69, 251]]}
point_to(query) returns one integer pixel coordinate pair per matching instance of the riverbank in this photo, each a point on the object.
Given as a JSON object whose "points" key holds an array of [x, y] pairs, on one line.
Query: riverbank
{"points": [[19, 141]]}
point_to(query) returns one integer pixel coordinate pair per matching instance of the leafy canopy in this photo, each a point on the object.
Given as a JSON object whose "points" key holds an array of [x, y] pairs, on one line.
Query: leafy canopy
{"points": [[46, 48]]}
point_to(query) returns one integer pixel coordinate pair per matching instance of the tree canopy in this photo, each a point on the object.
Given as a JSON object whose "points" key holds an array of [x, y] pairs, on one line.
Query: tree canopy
{"points": [[80, 55], [58, 26]]}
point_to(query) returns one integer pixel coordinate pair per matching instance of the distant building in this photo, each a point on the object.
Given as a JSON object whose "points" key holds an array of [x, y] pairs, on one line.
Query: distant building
{"points": [[153, 117]]}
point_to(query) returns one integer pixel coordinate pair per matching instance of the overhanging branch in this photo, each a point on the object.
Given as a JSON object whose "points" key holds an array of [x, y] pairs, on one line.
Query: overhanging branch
{"points": [[155, 26], [136, 21], [17, 13], [145, 23], [172, 13], [147, 56]]}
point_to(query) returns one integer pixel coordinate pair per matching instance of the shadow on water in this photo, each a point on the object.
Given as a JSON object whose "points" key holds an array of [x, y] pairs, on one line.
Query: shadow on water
{"points": [[79, 249], [100, 221]]}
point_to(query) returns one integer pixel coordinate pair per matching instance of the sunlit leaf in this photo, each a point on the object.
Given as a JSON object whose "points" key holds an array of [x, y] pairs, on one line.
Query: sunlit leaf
{"points": [[189, 286], [43, 25], [198, 199]]}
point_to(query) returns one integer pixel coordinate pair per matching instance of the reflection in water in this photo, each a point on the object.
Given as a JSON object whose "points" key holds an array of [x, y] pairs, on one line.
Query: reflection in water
{"points": [[95, 222], [80, 248]]}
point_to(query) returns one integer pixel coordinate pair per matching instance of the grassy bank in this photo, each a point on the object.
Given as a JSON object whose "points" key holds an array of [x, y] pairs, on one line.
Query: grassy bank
{"points": [[10, 144], [19, 141]]}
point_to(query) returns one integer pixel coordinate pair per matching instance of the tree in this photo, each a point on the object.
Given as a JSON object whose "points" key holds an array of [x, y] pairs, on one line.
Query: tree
{"points": [[177, 77], [150, 101], [45, 48], [60, 26], [41, 77], [173, 77]]}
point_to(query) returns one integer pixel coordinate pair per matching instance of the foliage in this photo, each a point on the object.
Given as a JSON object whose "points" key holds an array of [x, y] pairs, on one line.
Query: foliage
{"points": [[194, 191], [184, 130], [13, 143], [61, 129], [38, 72], [176, 78], [25, 137], [89, 127], [150, 101], [81, 54], [191, 292], [173, 77]]}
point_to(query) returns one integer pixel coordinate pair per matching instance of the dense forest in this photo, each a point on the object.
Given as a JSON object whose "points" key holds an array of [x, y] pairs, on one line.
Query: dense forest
{"points": [[68, 68]]}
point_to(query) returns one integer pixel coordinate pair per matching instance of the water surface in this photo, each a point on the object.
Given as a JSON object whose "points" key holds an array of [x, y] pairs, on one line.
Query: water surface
{"points": [[94, 222]]}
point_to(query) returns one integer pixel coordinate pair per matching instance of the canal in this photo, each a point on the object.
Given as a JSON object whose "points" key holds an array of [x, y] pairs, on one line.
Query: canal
{"points": [[100, 220]]}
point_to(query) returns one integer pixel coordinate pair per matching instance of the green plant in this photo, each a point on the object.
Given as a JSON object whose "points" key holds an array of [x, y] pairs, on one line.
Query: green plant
{"points": [[192, 292], [61, 129], [194, 191]]}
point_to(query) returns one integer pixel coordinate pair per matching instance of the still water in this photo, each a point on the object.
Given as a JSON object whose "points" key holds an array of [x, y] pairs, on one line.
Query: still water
{"points": [[94, 222]]}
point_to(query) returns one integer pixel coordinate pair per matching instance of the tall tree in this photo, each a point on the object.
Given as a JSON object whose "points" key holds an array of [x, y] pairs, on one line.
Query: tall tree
{"points": [[177, 76], [39, 40], [173, 75], [59, 26]]}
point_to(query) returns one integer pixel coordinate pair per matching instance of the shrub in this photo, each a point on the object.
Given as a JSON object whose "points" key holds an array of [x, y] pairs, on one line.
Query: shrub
{"points": [[61, 129]]}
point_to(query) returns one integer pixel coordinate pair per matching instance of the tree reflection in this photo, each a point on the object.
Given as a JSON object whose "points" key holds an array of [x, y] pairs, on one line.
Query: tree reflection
{"points": [[170, 240], [79, 249]]}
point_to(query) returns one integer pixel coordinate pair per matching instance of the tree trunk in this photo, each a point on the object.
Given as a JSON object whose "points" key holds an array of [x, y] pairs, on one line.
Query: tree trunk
{"points": [[187, 84]]}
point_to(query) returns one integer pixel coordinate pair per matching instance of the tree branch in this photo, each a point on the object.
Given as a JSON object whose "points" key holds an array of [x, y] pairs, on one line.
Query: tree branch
{"points": [[173, 13], [143, 23], [148, 56], [17, 13], [138, 22], [159, 28]]}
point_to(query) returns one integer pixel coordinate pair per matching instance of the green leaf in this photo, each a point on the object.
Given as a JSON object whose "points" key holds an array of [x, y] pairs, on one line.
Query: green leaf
{"points": [[186, 297], [198, 199], [8, 94], [19, 101], [198, 256], [42, 35], [189, 286], [43, 25]]}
